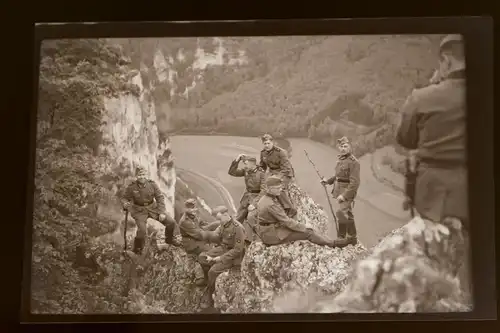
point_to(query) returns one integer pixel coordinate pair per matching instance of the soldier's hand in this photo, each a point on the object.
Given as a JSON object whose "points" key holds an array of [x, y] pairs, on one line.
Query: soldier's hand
{"points": [[251, 207], [216, 259], [162, 217], [127, 205], [340, 198], [239, 157], [323, 181]]}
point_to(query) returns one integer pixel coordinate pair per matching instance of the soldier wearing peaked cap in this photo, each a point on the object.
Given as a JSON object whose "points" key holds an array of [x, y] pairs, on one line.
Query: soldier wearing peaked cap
{"points": [[254, 178], [346, 180], [275, 160], [275, 227], [144, 199], [230, 239], [433, 124]]}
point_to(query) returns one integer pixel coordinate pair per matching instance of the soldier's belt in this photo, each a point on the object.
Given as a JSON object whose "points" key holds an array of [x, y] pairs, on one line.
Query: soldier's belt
{"points": [[264, 224], [342, 180], [253, 191], [144, 204]]}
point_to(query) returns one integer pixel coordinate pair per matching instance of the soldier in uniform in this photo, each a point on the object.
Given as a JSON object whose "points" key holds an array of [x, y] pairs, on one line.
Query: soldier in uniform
{"points": [[230, 237], [254, 182], [275, 160], [433, 123], [143, 199], [275, 227], [346, 180], [194, 235]]}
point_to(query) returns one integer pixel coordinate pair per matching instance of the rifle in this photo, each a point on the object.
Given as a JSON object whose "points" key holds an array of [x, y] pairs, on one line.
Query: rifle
{"points": [[410, 181], [326, 192], [125, 231]]}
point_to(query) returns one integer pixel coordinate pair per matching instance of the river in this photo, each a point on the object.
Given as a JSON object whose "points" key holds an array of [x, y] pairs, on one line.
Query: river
{"points": [[378, 208]]}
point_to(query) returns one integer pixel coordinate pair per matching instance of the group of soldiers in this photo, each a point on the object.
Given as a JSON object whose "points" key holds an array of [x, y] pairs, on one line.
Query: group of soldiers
{"points": [[432, 124]]}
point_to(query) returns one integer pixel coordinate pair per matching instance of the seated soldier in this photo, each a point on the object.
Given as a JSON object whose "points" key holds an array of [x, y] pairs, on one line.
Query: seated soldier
{"points": [[275, 227], [254, 183], [230, 237], [194, 235], [143, 199]]}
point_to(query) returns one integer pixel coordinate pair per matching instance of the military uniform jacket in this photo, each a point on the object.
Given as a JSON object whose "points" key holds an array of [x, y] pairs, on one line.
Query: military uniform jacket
{"points": [[254, 182], [274, 224], [347, 177], [276, 161], [231, 239], [145, 197], [433, 121], [191, 231]]}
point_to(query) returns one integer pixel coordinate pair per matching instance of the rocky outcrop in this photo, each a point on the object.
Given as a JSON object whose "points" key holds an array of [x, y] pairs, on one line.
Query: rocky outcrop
{"points": [[268, 273], [414, 269]]}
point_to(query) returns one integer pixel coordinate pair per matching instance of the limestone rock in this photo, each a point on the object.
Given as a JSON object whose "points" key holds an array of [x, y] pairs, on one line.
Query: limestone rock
{"points": [[269, 274], [415, 269]]}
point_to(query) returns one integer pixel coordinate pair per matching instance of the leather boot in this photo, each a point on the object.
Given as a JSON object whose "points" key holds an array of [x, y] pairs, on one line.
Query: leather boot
{"points": [[138, 245], [342, 230]]}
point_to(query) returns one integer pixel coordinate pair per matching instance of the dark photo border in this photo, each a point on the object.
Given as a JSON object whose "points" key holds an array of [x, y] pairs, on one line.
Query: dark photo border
{"points": [[479, 52]]}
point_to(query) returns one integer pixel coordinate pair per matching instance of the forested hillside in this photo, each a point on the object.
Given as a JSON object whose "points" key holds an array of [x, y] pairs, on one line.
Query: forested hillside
{"points": [[318, 87]]}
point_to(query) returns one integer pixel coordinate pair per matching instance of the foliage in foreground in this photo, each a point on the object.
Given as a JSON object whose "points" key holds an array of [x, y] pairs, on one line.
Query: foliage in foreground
{"points": [[71, 187]]}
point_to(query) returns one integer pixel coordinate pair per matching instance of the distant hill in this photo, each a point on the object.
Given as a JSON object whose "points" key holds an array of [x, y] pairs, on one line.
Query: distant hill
{"points": [[297, 86]]}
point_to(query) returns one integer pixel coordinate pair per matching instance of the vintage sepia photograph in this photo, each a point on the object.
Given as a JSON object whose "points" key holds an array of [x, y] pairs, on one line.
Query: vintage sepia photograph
{"points": [[266, 174]]}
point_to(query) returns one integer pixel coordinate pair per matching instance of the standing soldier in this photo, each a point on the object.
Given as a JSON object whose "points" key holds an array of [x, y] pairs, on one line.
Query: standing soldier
{"points": [[275, 227], [254, 182], [433, 124], [194, 235], [275, 159], [346, 180], [230, 236], [143, 199]]}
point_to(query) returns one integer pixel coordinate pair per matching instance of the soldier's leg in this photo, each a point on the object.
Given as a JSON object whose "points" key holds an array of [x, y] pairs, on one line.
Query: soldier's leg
{"points": [[346, 225], [140, 219], [213, 273], [286, 202], [309, 235], [170, 226]]}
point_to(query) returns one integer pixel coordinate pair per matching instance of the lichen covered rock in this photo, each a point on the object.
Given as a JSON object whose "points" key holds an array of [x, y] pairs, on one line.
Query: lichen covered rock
{"points": [[414, 269], [270, 272]]}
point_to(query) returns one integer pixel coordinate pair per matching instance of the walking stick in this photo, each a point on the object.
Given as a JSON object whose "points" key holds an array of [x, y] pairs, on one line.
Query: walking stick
{"points": [[326, 192], [125, 231]]}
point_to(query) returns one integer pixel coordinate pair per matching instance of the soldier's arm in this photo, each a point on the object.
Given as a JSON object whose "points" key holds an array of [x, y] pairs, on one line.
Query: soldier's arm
{"points": [[279, 214], [331, 180], [159, 197], [212, 226], [262, 164], [237, 250], [407, 132], [192, 230], [234, 171], [128, 196], [354, 180], [285, 164], [214, 236]]}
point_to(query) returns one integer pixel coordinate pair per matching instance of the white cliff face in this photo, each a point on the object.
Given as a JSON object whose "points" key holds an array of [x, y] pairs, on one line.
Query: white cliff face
{"points": [[131, 139]]}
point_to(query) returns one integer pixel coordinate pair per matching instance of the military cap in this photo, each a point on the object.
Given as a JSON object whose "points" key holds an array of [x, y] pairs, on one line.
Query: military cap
{"points": [[140, 171], [273, 181], [266, 137], [249, 158], [190, 203], [342, 140], [219, 209], [454, 38]]}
